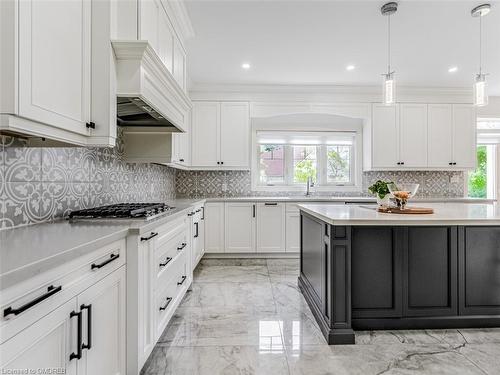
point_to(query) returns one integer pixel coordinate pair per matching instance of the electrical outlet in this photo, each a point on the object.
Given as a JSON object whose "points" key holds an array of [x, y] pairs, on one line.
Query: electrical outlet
{"points": [[224, 187]]}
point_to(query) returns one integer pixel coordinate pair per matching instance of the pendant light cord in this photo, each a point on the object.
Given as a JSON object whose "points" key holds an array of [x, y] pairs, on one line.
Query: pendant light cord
{"points": [[480, 44], [389, 44]]}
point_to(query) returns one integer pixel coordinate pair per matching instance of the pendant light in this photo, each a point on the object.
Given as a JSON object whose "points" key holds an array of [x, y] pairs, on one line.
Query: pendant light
{"points": [[389, 83], [480, 87]]}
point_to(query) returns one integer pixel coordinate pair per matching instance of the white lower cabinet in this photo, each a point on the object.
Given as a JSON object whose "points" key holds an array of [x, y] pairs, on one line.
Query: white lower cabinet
{"points": [[84, 335], [251, 227], [270, 227], [239, 229], [214, 227], [45, 344], [292, 228], [103, 322]]}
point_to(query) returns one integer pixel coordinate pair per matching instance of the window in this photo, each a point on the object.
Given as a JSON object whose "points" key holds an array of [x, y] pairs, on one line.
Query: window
{"points": [[338, 164], [304, 163], [481, 182], [288, 159], [271, 164]]}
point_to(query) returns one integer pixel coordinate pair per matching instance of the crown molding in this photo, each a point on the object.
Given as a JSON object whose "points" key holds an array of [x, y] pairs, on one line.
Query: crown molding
{"points": [[326, 93]]}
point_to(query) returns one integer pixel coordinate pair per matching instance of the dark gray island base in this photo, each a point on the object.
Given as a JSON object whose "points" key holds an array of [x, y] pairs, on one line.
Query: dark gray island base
{"points": [[363, 277]]}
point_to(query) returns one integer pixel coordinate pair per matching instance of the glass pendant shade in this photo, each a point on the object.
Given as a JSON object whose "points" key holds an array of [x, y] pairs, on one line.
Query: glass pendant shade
{"points": [[480, 91], [389, 89]]}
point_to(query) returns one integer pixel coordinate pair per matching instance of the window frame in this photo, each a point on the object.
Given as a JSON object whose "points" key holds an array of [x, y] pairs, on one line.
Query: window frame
{"points": [[322, 183]]}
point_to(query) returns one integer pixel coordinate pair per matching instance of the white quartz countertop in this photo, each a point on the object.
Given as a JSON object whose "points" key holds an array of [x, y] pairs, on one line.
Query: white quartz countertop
{"points": [[444, 214], [34, 249], [319, 198]]}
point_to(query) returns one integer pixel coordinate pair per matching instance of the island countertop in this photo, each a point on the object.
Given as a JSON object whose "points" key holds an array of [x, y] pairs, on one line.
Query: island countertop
{"points": [[444, 214]]}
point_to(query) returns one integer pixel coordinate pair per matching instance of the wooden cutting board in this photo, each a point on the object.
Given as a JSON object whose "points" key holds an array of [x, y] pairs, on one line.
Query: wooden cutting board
{"points": [[407, 210]]}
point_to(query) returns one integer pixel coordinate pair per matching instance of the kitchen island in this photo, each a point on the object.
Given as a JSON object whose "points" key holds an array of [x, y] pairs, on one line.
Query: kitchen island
{"points": [[362, 270]]}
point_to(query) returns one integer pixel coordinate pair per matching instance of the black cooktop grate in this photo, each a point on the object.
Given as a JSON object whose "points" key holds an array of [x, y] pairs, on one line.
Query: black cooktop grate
{"points": [[122, 210]]}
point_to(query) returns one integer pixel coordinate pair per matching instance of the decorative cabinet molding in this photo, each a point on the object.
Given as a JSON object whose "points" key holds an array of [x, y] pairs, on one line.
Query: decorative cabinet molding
{"points": [[420, 137], [220, 135]]}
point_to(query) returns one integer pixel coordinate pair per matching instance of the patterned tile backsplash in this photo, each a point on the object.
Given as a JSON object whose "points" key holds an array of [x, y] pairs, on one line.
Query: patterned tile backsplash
{"points": [[39, 184], [196, 184]]}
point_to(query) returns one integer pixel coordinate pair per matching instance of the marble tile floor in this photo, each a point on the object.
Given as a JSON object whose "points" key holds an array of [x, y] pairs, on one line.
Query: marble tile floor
{"points": [[247, 317]]}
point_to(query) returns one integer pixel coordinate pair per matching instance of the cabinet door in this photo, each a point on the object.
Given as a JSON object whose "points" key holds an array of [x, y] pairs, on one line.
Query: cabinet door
{"points": [[103, 314], [292, 232], [439, 135], [179, 63], [413, 135], [205, 134], [54, 62], [165, 41], [149, 15], [479, 270], [234, 134], [45, 344], [214, 227], [240, 227], [464, 136], [385, 136], [270, 227], [430, 271], [376, 272]]}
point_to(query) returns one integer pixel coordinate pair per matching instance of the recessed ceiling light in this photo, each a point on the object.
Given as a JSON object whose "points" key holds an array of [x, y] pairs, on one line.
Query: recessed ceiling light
{"points": [[452, 69], [350, 67], [245, 66]]}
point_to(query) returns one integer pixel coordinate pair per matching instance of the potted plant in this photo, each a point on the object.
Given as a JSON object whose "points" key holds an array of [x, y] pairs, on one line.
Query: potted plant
{"points": [[381, 190]]}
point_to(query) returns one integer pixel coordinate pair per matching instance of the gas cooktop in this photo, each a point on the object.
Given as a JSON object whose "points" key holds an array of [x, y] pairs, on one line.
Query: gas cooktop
{"points": [[146, 211]]}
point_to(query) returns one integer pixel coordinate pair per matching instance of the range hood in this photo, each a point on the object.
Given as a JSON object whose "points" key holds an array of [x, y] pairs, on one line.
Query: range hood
{"points": [[147, 94]]}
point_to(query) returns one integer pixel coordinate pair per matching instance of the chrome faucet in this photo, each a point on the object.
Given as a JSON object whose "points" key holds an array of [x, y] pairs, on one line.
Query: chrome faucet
{"points": [[309, 185]]}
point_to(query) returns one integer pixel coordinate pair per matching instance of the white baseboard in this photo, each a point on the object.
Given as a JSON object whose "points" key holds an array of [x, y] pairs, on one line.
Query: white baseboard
{"points": [[251, 255]]}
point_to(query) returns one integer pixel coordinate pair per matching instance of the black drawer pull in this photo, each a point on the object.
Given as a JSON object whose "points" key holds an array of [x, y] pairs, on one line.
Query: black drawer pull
{"points": [[203, 213], [270, 204], [197, 233], [51, 290], [182, 280], [79, 344], [88, 307], [198, 210], [164, 307], [167, 261], [183, 245], [191, 214], [111, 258], [153, 234]]}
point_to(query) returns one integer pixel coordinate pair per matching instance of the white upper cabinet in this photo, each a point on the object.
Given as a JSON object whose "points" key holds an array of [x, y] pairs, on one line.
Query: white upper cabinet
{"points": [[440, 135], [421, 136], [156, 28], [46, 69], [464, 136], [385, 136], [54, 63], [234, 134], [413, 135], [205, 134], [220, 134]]}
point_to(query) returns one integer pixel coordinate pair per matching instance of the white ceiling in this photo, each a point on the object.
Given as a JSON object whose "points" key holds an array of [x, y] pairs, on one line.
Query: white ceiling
{"points": [[311, 42]]}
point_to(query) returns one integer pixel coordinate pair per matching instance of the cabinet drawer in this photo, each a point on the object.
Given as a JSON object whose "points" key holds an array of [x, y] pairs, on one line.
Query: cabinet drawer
{"points": [[170, 291], [167, 254], [167, 231], [26, 303]]}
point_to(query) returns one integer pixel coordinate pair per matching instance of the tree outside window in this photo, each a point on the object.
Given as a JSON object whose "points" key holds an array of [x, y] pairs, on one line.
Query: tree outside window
{"points": [[478, 179]]}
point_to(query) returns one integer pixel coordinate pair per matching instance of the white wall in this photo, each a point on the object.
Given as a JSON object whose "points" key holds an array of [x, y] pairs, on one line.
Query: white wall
{"points": [[492, 109]]}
